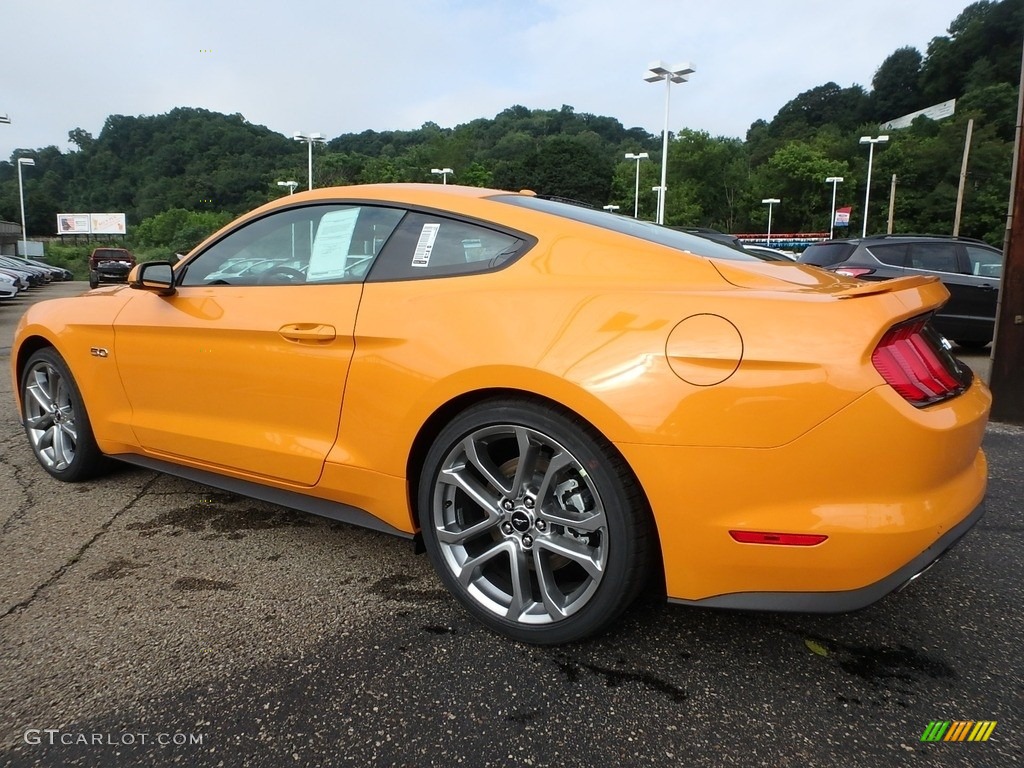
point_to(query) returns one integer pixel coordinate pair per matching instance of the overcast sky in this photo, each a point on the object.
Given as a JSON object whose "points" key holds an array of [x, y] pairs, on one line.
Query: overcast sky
{"points": [[340, 66]]}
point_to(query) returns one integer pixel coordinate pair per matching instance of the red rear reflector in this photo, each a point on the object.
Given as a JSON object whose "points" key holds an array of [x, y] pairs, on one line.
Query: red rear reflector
{"points": [[781, 539]]}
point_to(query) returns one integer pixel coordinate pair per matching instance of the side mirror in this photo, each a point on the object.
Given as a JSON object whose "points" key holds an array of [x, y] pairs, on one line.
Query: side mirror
{"points": [[155, 276]]}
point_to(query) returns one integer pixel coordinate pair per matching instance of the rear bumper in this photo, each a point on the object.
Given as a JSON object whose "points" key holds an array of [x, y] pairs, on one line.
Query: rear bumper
{"points": [[890, 486], [112, 272], [848, 600]]}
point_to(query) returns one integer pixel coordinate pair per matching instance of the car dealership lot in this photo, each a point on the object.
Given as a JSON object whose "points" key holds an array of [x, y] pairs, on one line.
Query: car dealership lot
{"points": [[142, 608]]}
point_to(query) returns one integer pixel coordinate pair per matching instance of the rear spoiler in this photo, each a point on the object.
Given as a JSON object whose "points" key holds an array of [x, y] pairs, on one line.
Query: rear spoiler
{"points": [[886, 286]]}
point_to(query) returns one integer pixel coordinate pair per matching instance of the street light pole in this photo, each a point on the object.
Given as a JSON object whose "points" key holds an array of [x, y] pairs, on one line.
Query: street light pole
{"points": [[656, 72], [311, 139], [21, 196], [636, 192], [290, 184], [610, 208], [770, 201], [443, 173], [867, 190], [833, 180]]}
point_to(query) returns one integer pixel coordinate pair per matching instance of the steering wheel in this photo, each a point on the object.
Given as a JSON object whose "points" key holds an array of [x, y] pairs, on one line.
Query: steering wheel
{"points": [[289, 274]]}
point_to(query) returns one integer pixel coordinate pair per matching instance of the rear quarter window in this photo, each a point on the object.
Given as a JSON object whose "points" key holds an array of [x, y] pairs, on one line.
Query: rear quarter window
{"points": [[893, 254], [826, 254], [427, 245]]}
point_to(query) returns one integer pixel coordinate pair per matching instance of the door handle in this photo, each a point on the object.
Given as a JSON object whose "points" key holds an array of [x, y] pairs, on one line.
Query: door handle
{"points": [[308, 332]]}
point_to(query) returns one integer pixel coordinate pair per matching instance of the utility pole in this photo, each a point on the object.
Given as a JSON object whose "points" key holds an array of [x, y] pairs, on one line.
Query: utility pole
{"points": [[963, 178], [1007, 380], [892, 203]]}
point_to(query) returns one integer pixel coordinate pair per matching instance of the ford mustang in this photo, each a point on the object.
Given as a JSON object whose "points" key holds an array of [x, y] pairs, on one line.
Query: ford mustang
{"points": [[555, 402]]}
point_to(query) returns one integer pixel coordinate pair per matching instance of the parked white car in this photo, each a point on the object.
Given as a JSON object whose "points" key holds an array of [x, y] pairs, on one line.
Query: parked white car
{"points": [[8, 287]]}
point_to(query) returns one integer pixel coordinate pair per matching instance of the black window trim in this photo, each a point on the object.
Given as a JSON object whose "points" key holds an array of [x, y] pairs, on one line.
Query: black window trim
{"points": [[529, 241]]}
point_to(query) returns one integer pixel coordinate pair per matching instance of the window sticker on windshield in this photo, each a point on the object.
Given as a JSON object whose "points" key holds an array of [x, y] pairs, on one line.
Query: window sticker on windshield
{"points": [[421, 256]]}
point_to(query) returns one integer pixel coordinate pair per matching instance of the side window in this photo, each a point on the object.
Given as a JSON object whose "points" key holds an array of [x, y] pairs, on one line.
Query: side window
{"points": [[425, 245], [934, 257], [314, 244], [985, 262], [893, 254]]}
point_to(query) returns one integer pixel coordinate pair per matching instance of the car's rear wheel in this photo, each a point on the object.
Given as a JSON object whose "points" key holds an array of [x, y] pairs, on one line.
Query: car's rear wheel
{"points": [[94, 280], [56, 423], [534, 521]]}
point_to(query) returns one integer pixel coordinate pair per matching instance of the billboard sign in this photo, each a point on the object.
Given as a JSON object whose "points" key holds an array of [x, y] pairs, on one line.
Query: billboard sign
{"points": [[72, 224], [90, 224], [934, 112], [107, 223]]}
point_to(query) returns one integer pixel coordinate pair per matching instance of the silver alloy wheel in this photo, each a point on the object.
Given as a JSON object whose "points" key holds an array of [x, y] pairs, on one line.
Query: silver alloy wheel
{"points": [[520, 524], [50, 418]]}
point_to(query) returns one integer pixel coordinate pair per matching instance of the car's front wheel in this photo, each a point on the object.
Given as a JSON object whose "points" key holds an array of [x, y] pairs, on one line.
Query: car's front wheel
{"points": [[94, 279], [56, 423], [534, 521]]}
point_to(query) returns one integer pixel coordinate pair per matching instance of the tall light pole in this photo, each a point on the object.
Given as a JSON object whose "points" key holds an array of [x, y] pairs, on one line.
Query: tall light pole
{"points": [[770, 201], [636, 192], [21, 195], [833, 180], [610, 208], [311, 139], [443, 173], [867, 190], [656, 72]]}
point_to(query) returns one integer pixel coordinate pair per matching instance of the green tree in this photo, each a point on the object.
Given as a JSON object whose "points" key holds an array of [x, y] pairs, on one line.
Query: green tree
{"points": [[895, 88]]}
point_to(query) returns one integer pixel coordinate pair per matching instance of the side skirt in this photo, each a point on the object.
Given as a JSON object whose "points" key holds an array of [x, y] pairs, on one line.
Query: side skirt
{"points": [[300, 501]]}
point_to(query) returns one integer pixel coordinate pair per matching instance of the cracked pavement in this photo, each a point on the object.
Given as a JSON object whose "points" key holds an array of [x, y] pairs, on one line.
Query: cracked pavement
{"points": [[139, 604]]}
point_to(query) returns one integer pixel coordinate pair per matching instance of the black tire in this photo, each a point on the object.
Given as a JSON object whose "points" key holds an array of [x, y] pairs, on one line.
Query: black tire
{"points": [[482, 517], [972, 343], [55, 419], [94, 280]]}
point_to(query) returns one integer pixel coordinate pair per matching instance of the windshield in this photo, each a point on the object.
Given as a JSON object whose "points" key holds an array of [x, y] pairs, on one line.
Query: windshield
{"points": [[644, 230]]}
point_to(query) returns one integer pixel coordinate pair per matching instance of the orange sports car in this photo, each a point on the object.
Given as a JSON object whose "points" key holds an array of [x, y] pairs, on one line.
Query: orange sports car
{"points": [[557, 401]]}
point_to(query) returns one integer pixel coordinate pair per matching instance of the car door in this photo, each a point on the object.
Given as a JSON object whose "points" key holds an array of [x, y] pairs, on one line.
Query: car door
{"points": [[980, 287], [248, 372]]}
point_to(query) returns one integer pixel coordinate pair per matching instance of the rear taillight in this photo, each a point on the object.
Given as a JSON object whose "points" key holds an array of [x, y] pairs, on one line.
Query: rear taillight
{"points": [[913, 360], [854, 271]]}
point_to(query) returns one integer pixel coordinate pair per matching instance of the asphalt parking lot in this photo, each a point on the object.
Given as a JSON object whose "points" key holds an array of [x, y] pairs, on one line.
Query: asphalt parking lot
{"points": [[146, 620]]}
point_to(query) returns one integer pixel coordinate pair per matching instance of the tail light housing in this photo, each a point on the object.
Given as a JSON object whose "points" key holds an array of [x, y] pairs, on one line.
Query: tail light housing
{"points": [[854, 271], [915, 361]]}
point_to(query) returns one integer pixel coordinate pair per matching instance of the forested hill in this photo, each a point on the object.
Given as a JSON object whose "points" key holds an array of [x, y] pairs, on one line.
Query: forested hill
{"points": [[202, 161]]}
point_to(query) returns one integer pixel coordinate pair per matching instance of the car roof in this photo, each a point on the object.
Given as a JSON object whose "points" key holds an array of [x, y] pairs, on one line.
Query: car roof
{"points": [[906, 237]]}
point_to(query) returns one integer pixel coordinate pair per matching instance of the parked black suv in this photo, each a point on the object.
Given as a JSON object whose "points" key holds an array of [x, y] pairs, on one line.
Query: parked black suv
{"points": [[970, 269]]}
